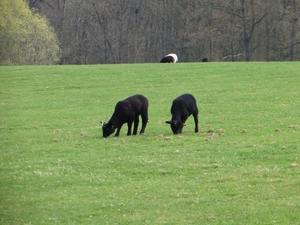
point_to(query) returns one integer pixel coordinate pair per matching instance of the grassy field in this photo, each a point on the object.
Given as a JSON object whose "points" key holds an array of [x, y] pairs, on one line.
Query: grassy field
{"points": [[241, 168]]}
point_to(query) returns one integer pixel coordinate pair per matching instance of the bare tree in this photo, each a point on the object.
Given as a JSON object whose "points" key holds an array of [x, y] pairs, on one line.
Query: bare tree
{"points": [[250, 13]]}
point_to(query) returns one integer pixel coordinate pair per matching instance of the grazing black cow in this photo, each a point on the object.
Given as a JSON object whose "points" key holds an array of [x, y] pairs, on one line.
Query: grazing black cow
{"points": [[167, 59], [127, 111], [170, 58], [182, 108], [205, 60]]}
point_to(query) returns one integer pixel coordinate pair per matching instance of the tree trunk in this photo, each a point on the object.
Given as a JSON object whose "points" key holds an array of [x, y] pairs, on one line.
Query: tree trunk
{"points": [[246, 37], [293, 22]]}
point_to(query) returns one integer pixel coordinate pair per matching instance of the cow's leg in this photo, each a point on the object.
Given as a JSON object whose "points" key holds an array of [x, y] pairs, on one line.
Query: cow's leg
{"points": [[184, 117], [181, 127], [136, 124], [118, 131], [129, 124], [144, 122], [196, 122]]}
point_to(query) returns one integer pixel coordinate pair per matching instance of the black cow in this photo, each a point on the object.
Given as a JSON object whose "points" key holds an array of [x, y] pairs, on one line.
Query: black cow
{"points": [[128, 111], [167, 59], [182, 108], [170, 58]]}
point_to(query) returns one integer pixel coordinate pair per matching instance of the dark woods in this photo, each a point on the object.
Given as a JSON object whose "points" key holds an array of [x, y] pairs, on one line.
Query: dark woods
{"points": [[118, 31]]}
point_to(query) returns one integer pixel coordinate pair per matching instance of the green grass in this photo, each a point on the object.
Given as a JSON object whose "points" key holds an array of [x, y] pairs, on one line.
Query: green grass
{"points": [[55, 167]]}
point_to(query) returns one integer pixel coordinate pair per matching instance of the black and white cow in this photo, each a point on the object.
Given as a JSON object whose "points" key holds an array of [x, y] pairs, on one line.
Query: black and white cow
{"points": [[127, 111], [182, 107], [170, 58]]}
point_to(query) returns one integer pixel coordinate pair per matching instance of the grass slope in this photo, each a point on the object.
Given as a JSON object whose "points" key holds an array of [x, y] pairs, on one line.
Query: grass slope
{"points": [[239, 169]]}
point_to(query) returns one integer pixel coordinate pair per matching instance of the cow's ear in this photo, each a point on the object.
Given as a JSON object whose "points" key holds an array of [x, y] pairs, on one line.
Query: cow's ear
{"points": [[168, 122]]}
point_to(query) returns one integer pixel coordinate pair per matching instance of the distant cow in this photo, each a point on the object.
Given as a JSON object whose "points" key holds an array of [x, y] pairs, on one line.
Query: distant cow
{"points": [[182, 108], [128, 111], [170, 58], [205, 60]]}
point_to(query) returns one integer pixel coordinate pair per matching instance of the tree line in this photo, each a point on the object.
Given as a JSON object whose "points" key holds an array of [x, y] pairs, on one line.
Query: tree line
{"points": [[137, 31], [26, 37]]}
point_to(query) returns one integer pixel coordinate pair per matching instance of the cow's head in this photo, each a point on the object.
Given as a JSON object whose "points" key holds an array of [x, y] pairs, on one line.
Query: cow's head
{"points": [[107, 128], [176, 126]]}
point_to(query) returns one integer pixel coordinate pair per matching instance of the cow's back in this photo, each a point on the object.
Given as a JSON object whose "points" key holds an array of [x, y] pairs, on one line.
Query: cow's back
{"points": [[138, 103], [185, 102]]}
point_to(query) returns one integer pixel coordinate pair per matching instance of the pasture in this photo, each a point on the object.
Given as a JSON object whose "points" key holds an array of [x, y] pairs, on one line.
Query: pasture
{"points": [[242, 167]]}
